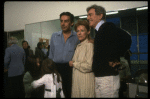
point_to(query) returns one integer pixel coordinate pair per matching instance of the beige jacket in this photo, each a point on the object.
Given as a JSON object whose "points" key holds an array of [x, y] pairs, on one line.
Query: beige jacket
{"points": [[83, 77]]}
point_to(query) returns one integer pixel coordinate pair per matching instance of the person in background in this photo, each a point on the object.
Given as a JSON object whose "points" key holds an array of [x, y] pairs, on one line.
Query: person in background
{"points": [[51, 79], [83, 77], [27, 49], [44, 49], [109, 44], [30, 49], [38, 52], [14, 61], [28, 78], [33, 73], [28, 53], [124, 71], [47, 54], [125, 75], [38, 92], [127, 56], [62, 47]]}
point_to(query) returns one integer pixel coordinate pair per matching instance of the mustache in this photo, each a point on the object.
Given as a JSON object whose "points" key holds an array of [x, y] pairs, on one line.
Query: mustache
{"points": [[62, 25]]}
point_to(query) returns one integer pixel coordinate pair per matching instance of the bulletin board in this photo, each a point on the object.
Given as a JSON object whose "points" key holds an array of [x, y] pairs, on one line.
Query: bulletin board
{"points": [[44, 40]]}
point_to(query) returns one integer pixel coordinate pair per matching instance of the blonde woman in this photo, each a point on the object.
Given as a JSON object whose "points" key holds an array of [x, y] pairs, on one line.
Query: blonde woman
{"points": [[83, 77]]}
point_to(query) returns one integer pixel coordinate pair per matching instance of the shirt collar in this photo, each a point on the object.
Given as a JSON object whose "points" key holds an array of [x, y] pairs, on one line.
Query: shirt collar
{"points": [[60, 33], [99, 24]]}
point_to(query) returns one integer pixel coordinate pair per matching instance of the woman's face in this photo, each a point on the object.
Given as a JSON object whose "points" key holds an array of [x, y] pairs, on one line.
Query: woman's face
{"points": [[82, 33]]}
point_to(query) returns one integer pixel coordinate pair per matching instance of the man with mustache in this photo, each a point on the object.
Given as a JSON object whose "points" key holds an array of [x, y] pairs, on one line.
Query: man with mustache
{"points": [[63, 44]]}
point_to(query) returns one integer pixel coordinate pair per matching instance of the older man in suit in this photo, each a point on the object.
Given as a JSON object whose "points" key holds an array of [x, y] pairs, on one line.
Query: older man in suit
{"points": [[110, 44], [14, 60]]}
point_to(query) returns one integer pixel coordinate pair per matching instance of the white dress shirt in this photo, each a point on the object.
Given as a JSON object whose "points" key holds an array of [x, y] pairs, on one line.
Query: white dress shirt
{"points": [[99, 24]]}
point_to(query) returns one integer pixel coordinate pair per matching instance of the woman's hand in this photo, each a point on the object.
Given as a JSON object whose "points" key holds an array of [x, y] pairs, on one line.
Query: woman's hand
{"points": [[71, 63]]}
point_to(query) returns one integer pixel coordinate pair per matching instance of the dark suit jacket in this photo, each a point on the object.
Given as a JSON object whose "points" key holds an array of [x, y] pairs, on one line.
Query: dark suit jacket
{"points": [[110, 43], [39, 53]]}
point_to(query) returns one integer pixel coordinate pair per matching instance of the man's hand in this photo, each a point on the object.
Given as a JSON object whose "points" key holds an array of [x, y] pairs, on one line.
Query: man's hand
{"points": [[71, 63], [114, 64]]}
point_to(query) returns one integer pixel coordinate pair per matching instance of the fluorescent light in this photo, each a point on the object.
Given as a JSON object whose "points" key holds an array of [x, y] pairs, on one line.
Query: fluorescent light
{"points": [[143, 8], [109, 13], [83, 17]]}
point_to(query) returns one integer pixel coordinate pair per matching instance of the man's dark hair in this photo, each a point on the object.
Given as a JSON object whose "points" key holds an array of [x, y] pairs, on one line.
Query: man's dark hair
{"points": [[68, 14], [39, 44], [24, 41]]}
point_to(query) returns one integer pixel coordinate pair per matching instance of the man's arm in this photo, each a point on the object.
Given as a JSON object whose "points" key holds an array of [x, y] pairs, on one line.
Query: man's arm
{"points": [[24, 57], [6, 60], [51, 51], [122, 42]]}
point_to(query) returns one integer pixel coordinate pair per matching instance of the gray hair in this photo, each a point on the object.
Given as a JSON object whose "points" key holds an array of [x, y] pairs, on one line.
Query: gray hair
{"points": [[98, 10], [12, 40]]}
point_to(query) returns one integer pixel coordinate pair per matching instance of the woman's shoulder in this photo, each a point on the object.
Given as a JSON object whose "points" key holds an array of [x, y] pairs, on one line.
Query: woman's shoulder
{"points": [[47, 76], [89, 44]]}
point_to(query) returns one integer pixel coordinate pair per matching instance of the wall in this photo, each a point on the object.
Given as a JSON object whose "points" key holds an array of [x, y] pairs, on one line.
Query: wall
{"points": [[38, 30], [19, 13]]}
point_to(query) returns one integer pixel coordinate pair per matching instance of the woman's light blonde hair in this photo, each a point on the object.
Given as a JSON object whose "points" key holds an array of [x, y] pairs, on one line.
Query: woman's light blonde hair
{"points": [[84, 23]]}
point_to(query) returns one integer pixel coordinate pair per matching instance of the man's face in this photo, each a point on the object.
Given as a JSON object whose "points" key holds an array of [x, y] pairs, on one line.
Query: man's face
{"points": [[25, 45], [93, 18], [65, 23]]}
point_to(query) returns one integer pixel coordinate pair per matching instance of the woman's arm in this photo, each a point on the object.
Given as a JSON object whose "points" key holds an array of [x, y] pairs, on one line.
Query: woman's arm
{"points": [[39, 82]]}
